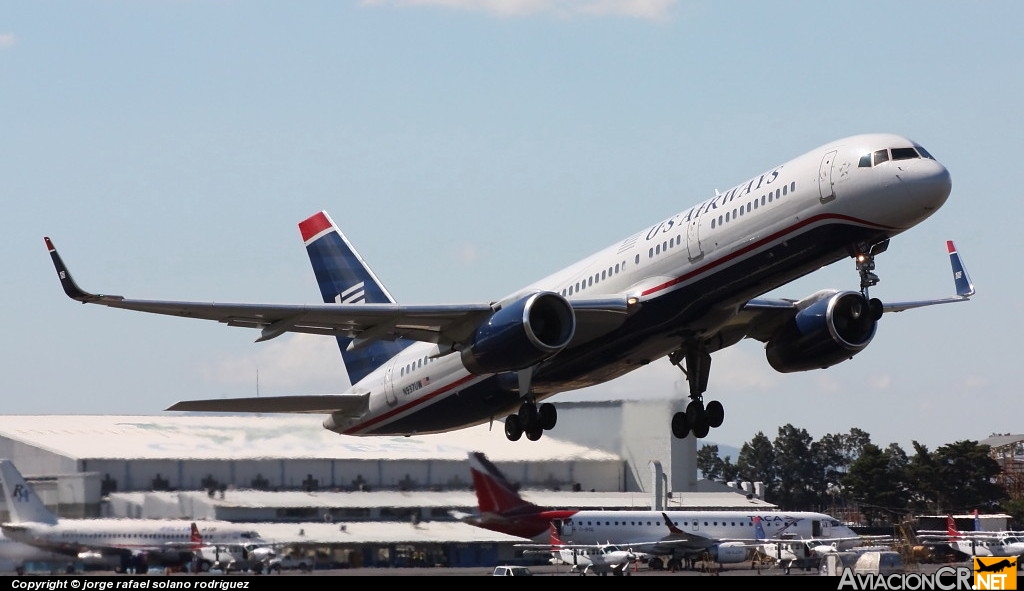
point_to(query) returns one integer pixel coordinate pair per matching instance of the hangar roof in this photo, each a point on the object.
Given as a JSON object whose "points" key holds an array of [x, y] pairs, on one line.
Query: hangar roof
{"points": [[292, 437]]}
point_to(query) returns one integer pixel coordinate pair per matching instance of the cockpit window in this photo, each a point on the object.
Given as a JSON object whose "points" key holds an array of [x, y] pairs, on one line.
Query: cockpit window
{"points": [[880, 156], [904, 154]]}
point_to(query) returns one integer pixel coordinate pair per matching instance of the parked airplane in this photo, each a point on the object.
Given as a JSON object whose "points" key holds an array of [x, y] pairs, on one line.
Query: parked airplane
{"points": [[722, 536], [14, 556], [135, 541], [977, 542], [600, 559], [685, 287]]}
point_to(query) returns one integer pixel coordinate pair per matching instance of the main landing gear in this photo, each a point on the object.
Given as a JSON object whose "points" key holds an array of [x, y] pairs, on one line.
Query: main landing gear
{"points": [[697, 418], [532, 419]]}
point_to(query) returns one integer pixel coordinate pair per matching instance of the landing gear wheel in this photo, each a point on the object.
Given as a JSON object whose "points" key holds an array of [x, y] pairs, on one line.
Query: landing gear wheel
{"points": [[534, 434], [513, 428], [715, 413], [528, 415], [680, 427], [701, 430], [547, 415], [695, 413]]}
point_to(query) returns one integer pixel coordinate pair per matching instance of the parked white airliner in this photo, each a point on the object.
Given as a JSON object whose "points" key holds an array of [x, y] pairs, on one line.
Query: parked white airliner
{"points": [[978, 542], [131, 541], [684, 287], [721, 536]]}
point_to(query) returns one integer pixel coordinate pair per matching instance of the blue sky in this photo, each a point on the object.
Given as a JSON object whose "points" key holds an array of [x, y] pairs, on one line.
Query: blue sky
{"points": [[467, 148]]}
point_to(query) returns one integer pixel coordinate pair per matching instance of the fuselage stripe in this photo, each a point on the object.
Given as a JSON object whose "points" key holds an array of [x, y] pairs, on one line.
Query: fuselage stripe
{"points": [[760, 243]]}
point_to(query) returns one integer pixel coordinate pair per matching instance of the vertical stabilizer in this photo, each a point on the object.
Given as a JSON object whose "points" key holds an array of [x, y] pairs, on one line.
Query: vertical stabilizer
{"points": [[23, 504], [494, 493], [345, 278], [951, 527], [758, 529], [196, 538]]}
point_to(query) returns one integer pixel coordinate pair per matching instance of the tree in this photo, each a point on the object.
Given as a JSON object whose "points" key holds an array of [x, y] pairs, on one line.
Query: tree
{"points": [[876, 482], [968, 473], [756, 462], [713, 467], [708, 462], [800, 480]]}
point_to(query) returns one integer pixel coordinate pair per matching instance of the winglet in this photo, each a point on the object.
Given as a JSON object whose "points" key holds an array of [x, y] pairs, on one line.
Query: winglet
{"points": [[70, 287], [964, 287], [961, 280], [671, 526]]}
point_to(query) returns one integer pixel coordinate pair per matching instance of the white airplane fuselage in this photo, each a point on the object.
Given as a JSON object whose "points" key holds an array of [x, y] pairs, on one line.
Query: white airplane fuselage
{"points": [[638, 529], [687, 275], [162, 540]]}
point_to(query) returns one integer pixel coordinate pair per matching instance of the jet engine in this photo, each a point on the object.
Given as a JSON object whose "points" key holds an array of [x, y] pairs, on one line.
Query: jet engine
{"points": [[729, 552], [831, 329], [520, 334]]}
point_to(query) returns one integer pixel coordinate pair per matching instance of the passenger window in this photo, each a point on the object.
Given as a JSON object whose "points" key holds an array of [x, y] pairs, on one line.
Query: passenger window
{"points": [[881, 156]]}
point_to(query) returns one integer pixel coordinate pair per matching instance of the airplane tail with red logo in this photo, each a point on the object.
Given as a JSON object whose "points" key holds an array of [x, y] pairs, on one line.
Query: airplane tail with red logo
{"points": [[502, 509], [951, 527], [345, 278], [196, 538]]}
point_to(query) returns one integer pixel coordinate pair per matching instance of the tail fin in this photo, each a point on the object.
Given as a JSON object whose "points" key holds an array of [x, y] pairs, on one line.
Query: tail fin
{"points": [[555, 540], [758, 529], [345, 278], [672, 529], [196, 538], [494, 493], [951, 527], [22, 502]]}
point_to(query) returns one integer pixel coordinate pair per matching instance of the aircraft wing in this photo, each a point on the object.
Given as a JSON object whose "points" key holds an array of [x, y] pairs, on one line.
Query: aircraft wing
{"points": [[762, 317], [443, 324]]}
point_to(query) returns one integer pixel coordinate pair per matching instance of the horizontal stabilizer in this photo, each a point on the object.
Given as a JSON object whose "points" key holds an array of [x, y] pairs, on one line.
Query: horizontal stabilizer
{"points": [[321, 404]]}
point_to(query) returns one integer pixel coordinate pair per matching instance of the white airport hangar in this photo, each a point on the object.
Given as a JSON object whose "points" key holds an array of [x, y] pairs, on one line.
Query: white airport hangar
{"points": [[374, 499]]}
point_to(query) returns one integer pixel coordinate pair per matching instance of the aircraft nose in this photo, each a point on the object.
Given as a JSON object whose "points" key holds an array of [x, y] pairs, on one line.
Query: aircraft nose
{"points": [[929, 182]]}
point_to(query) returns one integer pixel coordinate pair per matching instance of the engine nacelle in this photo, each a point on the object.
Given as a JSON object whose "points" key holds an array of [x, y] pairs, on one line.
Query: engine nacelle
{"points": [[830, 330], [521, 334], [729, 552]]}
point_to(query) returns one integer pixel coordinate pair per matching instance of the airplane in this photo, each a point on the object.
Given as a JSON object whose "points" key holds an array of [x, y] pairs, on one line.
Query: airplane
{"points": [[977, 542], [15, 556], [500, 506], [723, 536], [683, 288], [600, 559], [133, 543]]}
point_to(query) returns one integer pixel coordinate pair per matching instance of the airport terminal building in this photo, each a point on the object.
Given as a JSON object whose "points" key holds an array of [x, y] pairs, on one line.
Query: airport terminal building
{"points": [[381, 501]]}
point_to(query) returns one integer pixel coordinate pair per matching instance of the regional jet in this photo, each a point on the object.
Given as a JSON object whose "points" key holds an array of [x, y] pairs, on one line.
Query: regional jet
{"points": [[123, 543], [683, 288]]}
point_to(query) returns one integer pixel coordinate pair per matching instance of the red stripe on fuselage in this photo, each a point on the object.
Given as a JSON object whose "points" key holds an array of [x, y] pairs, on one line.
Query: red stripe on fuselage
{"points": [[755, 245], [418, 402]]}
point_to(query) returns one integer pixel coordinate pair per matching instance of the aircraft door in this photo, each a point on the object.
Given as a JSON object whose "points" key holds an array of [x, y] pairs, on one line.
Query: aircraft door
{"points": [[817, 529], [826, 187], [389, 387], [693, 239]]}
